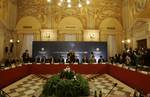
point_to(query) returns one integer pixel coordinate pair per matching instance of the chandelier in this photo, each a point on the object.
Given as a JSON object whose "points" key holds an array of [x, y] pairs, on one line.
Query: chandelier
{"points": [[70, 3]]}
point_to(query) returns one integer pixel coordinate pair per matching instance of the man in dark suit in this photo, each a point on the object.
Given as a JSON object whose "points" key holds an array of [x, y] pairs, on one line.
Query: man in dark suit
{"points": [[71, 56], [25, 56], [76, 59], [101, 60], [84, 59], [61, 60], [68, 59]]}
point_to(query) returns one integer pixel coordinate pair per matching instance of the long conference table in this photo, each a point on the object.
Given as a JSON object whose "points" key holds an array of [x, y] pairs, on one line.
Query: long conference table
{"points": [[133, 79]]}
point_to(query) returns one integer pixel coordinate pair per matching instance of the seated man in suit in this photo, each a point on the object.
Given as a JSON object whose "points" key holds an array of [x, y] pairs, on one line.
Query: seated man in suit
{"points": [[51, 60], [101, 60], [47, 60], [84, 59], [92, 59], [61, 60], [76, 59], [43, 59], [32, 60], [71, 54], [38, 60], [68, 59], [25, 56]]}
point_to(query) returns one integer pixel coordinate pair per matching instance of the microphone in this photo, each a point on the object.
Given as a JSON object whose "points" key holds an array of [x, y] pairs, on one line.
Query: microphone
{"points": [[115, 84]]}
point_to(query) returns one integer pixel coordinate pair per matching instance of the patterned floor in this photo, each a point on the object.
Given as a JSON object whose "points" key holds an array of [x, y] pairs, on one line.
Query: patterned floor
{"points": [[105, 83], [32, 85]]}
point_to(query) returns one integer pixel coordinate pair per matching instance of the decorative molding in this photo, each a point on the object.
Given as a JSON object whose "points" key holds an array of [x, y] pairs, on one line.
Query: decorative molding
{"points": [[89, 15]]}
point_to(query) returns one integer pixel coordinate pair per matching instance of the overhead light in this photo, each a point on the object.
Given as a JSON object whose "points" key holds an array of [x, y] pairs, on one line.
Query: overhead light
{"points": [[87, 2], [69, 5], [79, 5], [128, 41], [48, 0], [69, 1], [59, 4]]}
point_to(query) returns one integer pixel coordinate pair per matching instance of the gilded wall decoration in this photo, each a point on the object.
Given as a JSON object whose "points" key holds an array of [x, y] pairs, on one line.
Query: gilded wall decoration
{"points": [[36, 8], [4, 10], [140, 8], [140, 5], [91, 16], [13, 2]]}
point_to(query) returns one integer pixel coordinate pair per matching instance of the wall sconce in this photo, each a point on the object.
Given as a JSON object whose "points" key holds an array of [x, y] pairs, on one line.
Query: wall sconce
{"points": [[11, 40], [18, 41], [126, 42], [12, 43], [123, 41]]}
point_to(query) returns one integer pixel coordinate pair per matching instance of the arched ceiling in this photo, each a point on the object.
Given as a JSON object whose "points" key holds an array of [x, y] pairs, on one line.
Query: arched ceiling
{"points": [[140, 8], [98, 10]]}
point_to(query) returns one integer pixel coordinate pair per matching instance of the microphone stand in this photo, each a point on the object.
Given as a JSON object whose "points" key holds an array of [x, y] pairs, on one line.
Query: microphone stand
{"points": [[115, 84]]}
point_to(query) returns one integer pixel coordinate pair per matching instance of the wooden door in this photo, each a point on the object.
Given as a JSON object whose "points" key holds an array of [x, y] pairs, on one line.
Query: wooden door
{"points": [[142, 43]]}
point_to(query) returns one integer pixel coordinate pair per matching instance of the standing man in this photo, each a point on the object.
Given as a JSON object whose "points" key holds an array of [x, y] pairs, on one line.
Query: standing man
{"points": [[25, 56]]}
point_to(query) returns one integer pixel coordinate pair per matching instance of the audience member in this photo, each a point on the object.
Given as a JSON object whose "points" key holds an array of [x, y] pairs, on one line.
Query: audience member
{"points": [[136, 94], [25, 56], [148, 95], [133, 57], [141, 94]]}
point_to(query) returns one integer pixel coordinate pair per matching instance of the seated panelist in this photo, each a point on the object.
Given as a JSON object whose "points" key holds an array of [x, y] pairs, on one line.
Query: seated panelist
{"points": [[43, 59], [38, 60], [68, 59], [92, 60], [84, 59], [51, 60], [61, 60], [76, 60], [101, 60]]}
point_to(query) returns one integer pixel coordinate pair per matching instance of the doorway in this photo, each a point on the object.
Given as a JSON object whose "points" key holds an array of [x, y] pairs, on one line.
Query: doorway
{"points": [[142, 43]]}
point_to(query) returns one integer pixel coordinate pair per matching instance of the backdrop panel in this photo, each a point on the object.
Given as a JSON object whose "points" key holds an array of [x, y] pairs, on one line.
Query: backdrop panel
{"points": [[56, 49]]}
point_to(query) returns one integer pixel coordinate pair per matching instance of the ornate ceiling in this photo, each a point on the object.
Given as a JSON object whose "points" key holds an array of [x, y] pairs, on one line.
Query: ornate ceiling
{"points": [[140, 8], [97, 11]]}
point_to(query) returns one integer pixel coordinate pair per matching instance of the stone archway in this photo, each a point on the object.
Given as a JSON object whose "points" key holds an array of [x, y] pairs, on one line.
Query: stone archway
{"points": [[70, 29], [28, 23], [28, 28], [110, 31]]}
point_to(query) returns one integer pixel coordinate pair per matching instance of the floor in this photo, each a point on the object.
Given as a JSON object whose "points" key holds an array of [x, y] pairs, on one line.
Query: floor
{"points": [[32, 85]]}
